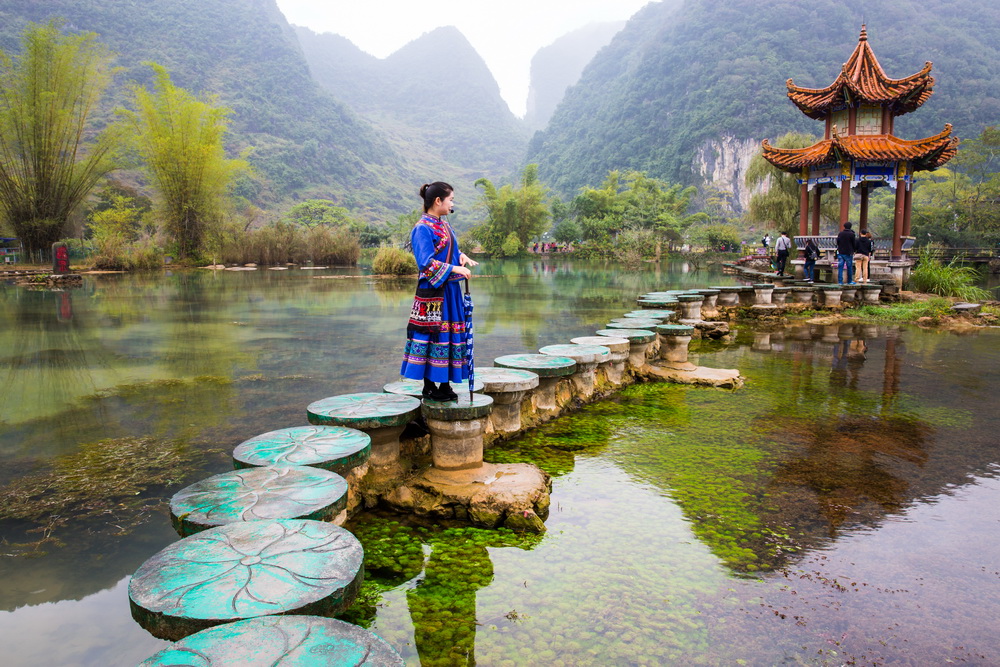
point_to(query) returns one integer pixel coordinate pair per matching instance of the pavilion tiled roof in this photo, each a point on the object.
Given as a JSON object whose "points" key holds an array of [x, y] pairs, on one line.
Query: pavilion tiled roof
{"points": [[923, 154], [862, 78]]}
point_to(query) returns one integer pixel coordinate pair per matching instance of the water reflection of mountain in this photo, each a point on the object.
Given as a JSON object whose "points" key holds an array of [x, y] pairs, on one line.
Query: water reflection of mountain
{"points": [[828, 436]]}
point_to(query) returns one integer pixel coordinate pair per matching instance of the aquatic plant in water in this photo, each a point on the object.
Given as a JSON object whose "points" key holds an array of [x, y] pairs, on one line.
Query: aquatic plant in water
{"points": [[111, 484]]}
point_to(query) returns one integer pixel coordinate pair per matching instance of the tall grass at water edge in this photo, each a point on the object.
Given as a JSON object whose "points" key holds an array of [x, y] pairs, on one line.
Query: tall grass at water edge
{"points": [[283, 243], [951, 279]]}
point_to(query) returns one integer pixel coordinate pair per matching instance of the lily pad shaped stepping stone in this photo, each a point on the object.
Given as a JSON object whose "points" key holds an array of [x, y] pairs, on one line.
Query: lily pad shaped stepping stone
{"points": [[543, 365], [255, 494], [289, 641], [506, 380], [632, 335], [364, 411], [633, 324], [653, 313], [463, 409], [332, 448], [416, 387], [581, 354], [245, 570]]}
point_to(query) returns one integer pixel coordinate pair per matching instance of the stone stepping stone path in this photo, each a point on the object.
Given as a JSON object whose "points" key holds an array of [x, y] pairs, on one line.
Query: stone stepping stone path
{"points": [[364, 411], [246, 570], [548, 368], [542, 365], [334, 448], [587, 357], [506, 380], [464, 409], [631, 335], [288, 641], [382, 416], [651, 313], [256, 494], [415, 388], [633, 324]]}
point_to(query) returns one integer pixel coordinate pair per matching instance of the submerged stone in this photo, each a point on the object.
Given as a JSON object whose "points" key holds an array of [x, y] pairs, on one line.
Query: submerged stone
{"points": [[246, 570], [256, 494], [290, 641], [334, 448]]}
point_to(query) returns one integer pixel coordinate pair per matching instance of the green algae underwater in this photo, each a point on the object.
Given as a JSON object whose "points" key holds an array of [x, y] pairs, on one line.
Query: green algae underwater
{"points": [[839, 509]]}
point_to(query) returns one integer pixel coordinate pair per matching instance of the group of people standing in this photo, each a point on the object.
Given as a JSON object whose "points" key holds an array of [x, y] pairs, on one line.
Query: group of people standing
{"points": [[854, 254]]}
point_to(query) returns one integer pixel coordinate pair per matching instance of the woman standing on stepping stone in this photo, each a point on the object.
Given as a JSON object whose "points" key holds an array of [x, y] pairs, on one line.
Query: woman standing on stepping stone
{"points": [[436, 335]]}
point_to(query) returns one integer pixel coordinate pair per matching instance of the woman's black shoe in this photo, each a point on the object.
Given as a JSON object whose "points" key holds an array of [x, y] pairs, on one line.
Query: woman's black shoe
{"points": [[443, 395]]}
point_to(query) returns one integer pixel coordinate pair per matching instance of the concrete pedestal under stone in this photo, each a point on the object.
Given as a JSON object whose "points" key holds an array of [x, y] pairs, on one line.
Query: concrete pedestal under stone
{"points": [[457, 430], [507, 387]]}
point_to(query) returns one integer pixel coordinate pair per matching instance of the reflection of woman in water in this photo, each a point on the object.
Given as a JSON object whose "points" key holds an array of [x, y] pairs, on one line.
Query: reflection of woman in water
{"points": [[436, 335]]}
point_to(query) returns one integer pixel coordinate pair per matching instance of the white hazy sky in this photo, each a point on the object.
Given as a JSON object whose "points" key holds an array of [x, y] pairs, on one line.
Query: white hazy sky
{"points": [[506, 33]]}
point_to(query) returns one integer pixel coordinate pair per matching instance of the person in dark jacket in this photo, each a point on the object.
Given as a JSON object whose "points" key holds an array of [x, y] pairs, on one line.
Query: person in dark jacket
{"points": [[812, 254], [862, 256], [845, 254]]}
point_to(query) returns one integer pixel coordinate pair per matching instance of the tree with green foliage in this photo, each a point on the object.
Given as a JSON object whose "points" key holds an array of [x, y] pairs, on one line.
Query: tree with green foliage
{"points": [[635, 201], [180, 140], [50, 159], [776, 201], [567, 231], [514, 215], [316, 212]]}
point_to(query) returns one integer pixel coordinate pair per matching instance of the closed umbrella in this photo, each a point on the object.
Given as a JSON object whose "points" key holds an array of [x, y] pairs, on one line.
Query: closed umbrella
{"points": [[469, 356]]}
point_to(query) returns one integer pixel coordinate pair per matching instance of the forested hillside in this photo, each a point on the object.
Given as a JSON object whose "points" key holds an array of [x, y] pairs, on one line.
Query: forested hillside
{"points": [[558, 66], [303, 141], [436, 92], [672, 82]]}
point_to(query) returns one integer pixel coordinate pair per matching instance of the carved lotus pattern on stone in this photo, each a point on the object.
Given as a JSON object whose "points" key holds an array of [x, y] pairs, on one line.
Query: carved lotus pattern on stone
{"points": [[303, 445], [245, 570], [255, 494]]}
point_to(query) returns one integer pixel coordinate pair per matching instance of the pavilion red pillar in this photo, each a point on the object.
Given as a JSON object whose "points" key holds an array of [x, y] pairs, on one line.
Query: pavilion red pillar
{"points": [[817, 195], [804, 209], [897, 220], [863, 213], [907, 206], [845, 202]]}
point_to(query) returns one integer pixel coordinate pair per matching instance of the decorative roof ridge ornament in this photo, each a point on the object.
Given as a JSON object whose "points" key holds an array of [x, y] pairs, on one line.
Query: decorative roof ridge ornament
{"points": [[863, 77]]}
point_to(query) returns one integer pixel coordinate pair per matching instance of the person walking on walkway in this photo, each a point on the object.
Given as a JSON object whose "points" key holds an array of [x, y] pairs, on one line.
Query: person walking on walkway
{"points": [[436, 334], [845, 254], [863, 255], [783, 246]]}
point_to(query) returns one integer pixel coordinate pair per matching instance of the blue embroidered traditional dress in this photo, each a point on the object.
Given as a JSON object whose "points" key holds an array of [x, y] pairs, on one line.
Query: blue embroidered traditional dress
{"points": [[436, 335]]}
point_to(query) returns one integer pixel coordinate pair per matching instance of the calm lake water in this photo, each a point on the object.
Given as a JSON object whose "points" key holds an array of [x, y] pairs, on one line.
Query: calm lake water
{"points": [[841, 508]]}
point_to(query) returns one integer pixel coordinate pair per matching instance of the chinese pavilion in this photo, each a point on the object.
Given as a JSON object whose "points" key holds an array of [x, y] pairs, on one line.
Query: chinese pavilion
{"points": [[859, 149]]}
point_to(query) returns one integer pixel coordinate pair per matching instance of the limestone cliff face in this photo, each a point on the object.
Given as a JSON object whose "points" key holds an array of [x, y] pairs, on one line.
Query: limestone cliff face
{"points": [[723, 162]]}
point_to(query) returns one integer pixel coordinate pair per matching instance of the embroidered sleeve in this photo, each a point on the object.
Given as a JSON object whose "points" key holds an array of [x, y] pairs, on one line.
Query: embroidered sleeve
{"points": [[434, 270]]}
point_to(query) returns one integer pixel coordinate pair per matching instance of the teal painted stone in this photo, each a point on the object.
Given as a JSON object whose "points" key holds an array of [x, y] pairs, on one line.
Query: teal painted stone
{"points": [[648, 313], [633, 323], [637, 324], [245, 570], [543, 365], [674, 330], [830, 288], [690, 298], [289, 641], [632, 335], [415, 388], [463, 409], [705, 292], [581, 354], [364, 411], [613, 344], [505, 380], [763, 285], [256, 494], [334, 448], [722, 287]]}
